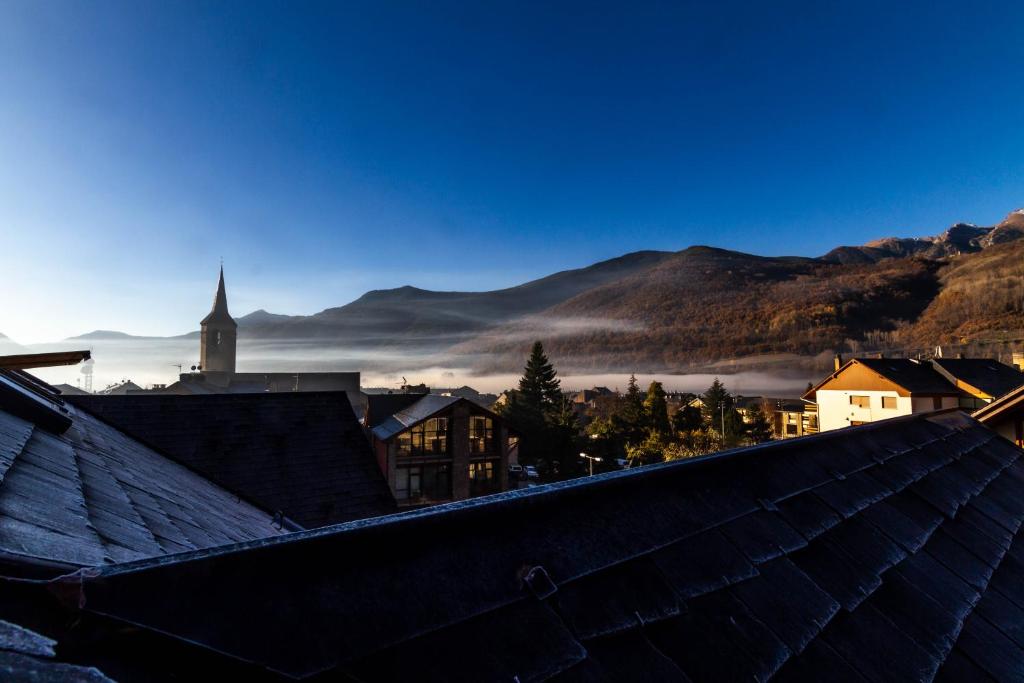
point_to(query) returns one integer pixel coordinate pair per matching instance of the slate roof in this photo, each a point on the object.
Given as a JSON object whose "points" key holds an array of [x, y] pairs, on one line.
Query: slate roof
{"points": [[990, 376], [75, 491], [427, 406], [380, 407], [28, 656], [889, 551], [301, 453], [915, 377]]}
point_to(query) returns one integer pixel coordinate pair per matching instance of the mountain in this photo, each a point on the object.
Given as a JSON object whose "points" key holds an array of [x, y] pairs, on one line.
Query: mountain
{"points": [[704, 304], [677, 311], [9, 347], [107, 335], [961, 238], [409, 317]]}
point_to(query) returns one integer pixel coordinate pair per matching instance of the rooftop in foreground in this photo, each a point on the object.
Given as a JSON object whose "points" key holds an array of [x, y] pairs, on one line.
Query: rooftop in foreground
{"points": [[888, 551]]}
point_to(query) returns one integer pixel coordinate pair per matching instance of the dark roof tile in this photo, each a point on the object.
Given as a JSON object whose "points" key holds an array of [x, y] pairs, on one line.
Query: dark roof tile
{"points": [[301, 453], [712, 567]]}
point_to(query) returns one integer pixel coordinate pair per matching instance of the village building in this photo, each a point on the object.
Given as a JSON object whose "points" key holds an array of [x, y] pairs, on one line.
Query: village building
{"points": [[869, 389], [865, 390], [890, 551], [433, 449], [217, 373], [793, 418], [979, 380], [1005, 416]]}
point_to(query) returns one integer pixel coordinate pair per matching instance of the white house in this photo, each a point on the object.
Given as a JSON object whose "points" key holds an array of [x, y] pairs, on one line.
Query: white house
{"points": [[870, 389]]}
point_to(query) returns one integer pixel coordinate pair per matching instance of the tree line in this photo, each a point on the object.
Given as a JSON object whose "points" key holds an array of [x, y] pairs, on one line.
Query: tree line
{"points": [[635, 427]]}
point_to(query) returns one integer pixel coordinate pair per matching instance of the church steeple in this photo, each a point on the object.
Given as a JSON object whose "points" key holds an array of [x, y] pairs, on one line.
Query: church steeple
{"points": [[218, 335], [219, 312]]}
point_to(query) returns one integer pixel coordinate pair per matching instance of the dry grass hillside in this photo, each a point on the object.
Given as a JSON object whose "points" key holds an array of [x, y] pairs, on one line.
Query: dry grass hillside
{"points": [[981, 300], [707, 304]]}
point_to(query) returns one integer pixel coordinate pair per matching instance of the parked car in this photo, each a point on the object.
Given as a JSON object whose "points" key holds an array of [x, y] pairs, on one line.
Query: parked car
{"points": [[515, 471], [531, 472]]}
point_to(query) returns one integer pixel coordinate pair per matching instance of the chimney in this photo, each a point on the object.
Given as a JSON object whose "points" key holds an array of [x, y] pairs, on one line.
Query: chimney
{"points": [[838, 361]]}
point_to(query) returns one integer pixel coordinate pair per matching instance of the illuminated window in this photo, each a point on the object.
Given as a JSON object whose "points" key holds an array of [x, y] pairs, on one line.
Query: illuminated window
{"points": [[430, 437], [482, 478], [889, 402], [481, 434], [860, 401]]}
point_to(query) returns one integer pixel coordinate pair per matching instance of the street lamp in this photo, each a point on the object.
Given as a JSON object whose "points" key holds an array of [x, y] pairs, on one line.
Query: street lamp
{"points": [[592, 459]]}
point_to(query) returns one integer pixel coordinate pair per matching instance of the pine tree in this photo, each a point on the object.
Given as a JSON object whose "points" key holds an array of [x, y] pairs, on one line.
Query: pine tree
{"points": [[716, 402], [630, 419], [759, 429], [656, 409], [544, 418], [720, 413], [539, 384]]}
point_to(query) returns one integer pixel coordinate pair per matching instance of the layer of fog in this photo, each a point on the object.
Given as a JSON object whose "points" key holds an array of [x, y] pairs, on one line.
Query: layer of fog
{"points": [[156, 361]]}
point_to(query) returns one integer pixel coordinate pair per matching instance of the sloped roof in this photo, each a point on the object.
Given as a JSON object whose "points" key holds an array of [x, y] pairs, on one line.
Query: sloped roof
{"points": [[989, 376], [427, 406], [913, 376], [28, 656], [883, 552], [75, 491], [1007, 404], [379, 407], [219, 311], [303, 453]]}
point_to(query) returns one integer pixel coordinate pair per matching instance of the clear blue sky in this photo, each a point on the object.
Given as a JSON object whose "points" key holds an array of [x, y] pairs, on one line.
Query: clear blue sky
{"points": [[327, 149]]}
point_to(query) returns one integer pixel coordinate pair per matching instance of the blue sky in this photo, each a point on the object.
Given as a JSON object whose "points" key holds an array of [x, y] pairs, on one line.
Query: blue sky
{"points": [[326, 149]]}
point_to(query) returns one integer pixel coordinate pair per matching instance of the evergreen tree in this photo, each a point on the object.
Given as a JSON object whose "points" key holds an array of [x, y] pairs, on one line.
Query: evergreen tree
{"points": [[656, 409], [720, 413], [759, 429], [548, 427], [630, 420], [716, 401], [539, 384]]}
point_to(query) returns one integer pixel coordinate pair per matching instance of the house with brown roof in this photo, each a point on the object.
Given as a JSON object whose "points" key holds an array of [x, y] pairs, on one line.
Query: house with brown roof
{"points": [[866, 390], [870, 389]]}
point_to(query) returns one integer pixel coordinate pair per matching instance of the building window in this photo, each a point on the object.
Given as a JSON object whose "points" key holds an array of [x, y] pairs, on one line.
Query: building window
{"points": [[860, 401], [481, 434], [429, 437], [423, 483], [889, 402], [482, 478]]}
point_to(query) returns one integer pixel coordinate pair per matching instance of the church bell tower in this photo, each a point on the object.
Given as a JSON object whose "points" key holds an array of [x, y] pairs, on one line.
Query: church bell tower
{"points": [[219, 331]]}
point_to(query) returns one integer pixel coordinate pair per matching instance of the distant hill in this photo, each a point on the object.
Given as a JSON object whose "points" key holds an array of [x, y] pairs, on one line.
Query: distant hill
{"points": [[423, 319], [9, 347], [705, 304], [107, 335], [655, 310]]}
